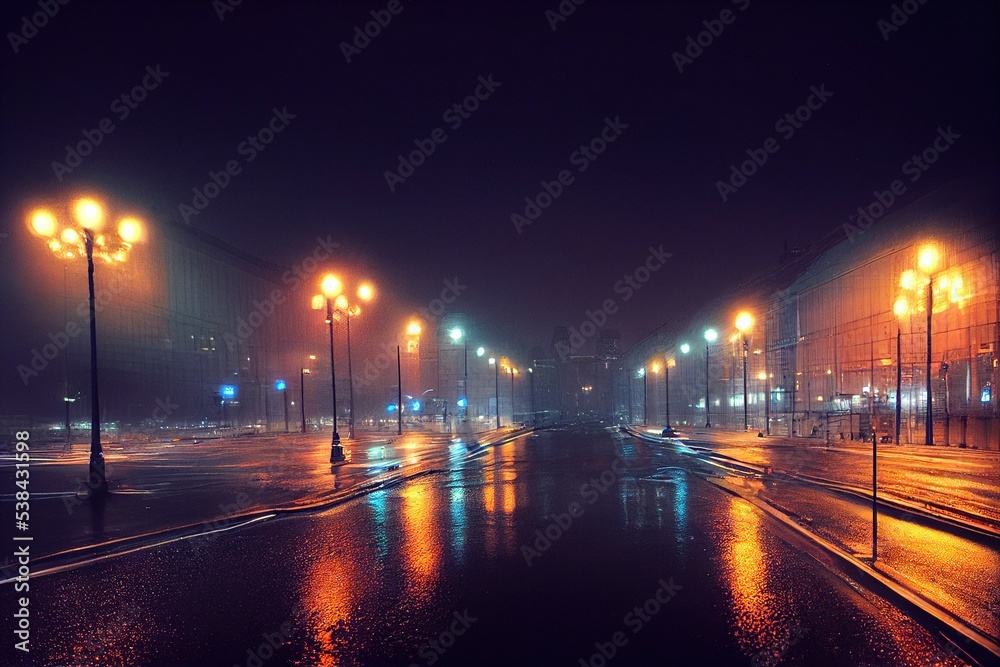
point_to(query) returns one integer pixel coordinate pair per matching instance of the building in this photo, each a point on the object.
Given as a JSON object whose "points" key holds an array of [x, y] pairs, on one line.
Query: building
{"points": [[844, 332]]}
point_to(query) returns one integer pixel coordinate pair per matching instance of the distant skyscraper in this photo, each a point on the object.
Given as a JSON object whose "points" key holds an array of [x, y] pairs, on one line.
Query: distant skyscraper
{"points": [[609, 344]]}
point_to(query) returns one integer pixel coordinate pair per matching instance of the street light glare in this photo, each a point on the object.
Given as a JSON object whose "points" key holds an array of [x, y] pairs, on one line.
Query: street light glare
{"points": [[331, 285], [711, 335], [901, 307], [340, 302], [456, 334], [492, 361], [130, 230], [685, 348], [69, 235], [366, 292], [43, 224], [88, 213], [480, 351], [318, 301], [655, 368], [928, 258], [413, 329], [744, 321]]}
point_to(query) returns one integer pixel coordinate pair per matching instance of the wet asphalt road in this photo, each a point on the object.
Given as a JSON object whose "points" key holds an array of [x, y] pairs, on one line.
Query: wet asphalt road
{"points": [[454, 568]]}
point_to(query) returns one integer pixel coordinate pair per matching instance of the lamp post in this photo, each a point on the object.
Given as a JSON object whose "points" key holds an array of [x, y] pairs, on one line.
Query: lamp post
{"points": [[743, 323], [710, 336], [512, 371], [928, 260], [531, 393], [496, 386], [928, 271], [83, 237], [282, 386], [642, 373], [456, 335], [667, 363], [399, 393], [338, 305], [685, 349], [303, 372], [767, 402]]}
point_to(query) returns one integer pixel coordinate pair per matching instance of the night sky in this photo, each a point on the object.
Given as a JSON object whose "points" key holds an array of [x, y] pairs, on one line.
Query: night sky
{"points": [[678, 133]]}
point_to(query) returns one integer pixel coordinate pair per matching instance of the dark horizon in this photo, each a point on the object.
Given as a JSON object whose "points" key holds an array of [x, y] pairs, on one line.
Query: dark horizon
{"points": [[878, 97]]}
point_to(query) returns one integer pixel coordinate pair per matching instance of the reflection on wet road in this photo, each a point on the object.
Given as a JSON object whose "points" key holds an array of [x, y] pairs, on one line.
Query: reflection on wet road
{"points": [[557, 548]]}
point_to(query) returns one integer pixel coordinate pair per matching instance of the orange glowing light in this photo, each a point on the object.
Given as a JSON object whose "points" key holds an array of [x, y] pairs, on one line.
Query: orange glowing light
{"points": [[901, 307], [69, 235], [88, 213], [744, 321], [43, 224], [928, 258], [366, 292], [413, 329], [331, 285], [130, 230]]}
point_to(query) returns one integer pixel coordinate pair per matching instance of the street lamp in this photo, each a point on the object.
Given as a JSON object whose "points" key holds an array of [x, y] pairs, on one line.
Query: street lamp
{"points": [[531, 393], [513, 371], [743, 323], [456, 335], [496, 386], [365, 292], [83, 237], [928, 273], [642, 374], [337, 304], [303, 372], [282, 386], [710, 336]]}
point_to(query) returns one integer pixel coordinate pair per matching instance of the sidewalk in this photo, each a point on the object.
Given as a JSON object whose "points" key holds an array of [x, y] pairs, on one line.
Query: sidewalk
{"points": [[928, 547], [961, 484]]}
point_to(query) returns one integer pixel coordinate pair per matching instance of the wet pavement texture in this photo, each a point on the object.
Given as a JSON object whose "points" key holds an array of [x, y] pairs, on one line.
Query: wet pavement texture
{"points": [[557, 548]]}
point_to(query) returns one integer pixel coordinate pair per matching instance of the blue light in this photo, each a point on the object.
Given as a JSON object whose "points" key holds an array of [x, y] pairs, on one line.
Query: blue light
{"points": [[391, 407], [227, 391], [462, 402], [415, 406], [280, 385]]}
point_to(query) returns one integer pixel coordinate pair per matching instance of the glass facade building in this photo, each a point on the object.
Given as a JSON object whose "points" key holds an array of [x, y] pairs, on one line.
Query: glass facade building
{"points": [[837, 327]]}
